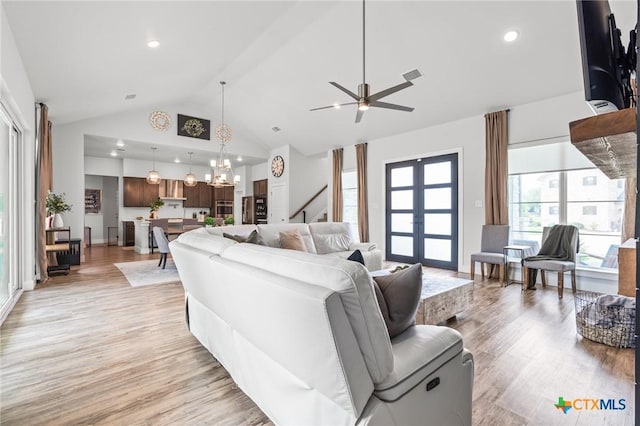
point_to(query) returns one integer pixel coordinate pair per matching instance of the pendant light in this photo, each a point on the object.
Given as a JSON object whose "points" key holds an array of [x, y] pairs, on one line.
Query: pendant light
{"points": [[222, 172], [190, 178], [153, 177]]}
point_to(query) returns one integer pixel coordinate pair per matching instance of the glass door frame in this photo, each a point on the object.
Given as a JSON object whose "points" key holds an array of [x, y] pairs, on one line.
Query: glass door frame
{"points": [[418, 211]]}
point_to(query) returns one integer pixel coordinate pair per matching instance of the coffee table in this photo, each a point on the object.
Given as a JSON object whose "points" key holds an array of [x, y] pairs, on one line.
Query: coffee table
{"points": [[443, 298]]}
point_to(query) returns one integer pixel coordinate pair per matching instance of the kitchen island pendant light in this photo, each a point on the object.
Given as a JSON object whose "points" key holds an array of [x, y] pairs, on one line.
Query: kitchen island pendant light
{"points": [[153, 177], [190, 178]]}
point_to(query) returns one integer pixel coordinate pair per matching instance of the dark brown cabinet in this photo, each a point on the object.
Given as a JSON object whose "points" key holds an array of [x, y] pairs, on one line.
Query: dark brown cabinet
{"points": [[128, 233], [222, 201], [198, 196], [260, 187], [138, 193]]}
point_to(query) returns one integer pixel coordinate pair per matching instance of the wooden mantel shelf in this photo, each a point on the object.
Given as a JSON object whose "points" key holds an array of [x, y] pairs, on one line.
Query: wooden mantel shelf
{"points": [[609, 141]]}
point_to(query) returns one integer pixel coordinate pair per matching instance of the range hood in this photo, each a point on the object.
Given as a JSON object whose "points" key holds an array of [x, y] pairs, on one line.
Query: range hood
{"points": [[171, 189]]}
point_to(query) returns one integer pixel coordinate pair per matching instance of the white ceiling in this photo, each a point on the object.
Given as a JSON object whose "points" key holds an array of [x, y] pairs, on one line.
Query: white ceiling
{"points": [[82, 58]]}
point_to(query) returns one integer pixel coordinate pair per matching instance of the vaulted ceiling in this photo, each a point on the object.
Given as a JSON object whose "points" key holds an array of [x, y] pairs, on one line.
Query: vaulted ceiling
{"points": [[83, 58]]}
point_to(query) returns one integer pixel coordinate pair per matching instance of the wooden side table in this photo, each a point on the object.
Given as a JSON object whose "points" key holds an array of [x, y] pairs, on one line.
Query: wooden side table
{"points": [[519, 257]]}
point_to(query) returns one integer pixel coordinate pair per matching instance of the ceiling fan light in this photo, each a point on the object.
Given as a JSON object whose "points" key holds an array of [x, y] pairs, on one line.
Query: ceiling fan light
{"points": [[363, 106]]}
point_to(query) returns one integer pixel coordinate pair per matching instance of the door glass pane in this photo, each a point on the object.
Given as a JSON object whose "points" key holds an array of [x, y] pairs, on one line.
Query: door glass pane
{"points": [[401, 200], [437, 249], [402, 222], [437, 173], [437, 223], [402, 246], [402, 176], [437, 198]]}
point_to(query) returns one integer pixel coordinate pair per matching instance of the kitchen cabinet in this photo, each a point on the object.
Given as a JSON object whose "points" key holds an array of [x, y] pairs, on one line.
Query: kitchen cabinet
{"points": [[138, 193], [222, 201], [260, 187], [198, 196]]}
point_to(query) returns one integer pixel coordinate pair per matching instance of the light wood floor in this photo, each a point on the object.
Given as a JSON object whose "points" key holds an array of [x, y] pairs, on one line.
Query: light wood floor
{"points": [[89, 349]]}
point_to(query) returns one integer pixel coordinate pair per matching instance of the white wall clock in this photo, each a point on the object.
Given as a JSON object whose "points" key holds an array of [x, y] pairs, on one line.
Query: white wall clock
{"points": [[277, 166], [160, 120]]}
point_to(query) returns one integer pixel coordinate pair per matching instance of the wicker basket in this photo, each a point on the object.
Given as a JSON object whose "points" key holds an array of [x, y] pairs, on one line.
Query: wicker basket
{"points": [[606, 319]]}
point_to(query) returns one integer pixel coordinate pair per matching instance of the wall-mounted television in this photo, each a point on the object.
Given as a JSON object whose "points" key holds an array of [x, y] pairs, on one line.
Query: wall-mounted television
{"points": [[606, 68]]}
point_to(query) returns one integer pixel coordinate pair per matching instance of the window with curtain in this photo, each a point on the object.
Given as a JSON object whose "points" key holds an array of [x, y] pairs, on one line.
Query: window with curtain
{"points": [[350, 198], [585, 198]]}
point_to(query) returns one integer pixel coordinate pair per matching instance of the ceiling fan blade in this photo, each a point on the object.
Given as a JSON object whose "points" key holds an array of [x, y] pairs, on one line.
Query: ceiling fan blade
{"points": [[389, 91], [387, 105], [347, 91], [359, 115], [333, 106]]}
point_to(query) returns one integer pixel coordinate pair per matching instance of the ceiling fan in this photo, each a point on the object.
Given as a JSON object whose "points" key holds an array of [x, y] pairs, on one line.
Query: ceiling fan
{"points": [[363, 99]]}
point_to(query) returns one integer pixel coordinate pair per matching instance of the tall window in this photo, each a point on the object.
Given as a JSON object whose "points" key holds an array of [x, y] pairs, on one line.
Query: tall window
{"points": [[350, 198], [584, 198]]}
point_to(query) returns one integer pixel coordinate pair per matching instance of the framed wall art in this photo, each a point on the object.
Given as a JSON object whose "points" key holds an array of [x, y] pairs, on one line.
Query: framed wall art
{"points": [[194, 127], [92, 201]]}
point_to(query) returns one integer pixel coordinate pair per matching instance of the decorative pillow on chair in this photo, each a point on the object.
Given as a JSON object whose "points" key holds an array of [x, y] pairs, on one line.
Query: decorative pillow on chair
{"points": [[398, 295], [356, 256], [252, 238], [292, 240]]}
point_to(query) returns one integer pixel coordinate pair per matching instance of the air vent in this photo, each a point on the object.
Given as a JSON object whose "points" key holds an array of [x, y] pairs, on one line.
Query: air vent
{"points": [[129, 97], [120, 150], [412, 75], [276, 128]]}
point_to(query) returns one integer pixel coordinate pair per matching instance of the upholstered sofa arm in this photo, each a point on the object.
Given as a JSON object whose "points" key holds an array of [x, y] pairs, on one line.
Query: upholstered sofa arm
{"points": [[362, 246]]}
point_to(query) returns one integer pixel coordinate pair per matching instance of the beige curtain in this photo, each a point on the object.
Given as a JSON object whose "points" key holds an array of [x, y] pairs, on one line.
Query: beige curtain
{"points": [[337, 185], [496, 173], [363, 202], [629, 218], [45, 173], [496, 169]]}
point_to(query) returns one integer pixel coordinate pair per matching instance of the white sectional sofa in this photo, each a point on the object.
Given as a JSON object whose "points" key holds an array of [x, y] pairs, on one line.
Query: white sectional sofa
{"points": [[324, 238], [302, 335]]}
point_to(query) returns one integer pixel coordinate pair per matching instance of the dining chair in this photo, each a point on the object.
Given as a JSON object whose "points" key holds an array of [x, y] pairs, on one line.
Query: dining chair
{"points": [[163, 245], [559, 266], [494, 239]]}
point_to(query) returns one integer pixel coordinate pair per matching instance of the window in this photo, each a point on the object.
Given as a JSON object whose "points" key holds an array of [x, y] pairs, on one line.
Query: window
{"points": [[554, 183], [597, 211], [350, 198]]}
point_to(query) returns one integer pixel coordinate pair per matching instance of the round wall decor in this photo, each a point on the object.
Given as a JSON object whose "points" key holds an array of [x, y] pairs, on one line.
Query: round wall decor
{"points": [[277, 166], [160, 120]]}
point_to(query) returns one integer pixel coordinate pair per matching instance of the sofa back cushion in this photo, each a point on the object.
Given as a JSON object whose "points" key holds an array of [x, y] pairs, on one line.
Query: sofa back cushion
{"points": [[349, 279], [331, 237], [203, 240], [241, 230], [270, 234]]}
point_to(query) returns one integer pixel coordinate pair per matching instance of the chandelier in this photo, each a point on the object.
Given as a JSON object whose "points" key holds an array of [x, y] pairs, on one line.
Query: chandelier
{"points": [[190, 178], [222, 172], [153, 177]]}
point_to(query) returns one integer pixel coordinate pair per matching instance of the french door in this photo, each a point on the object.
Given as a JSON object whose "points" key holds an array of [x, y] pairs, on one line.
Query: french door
{"points": [[422, 211]]}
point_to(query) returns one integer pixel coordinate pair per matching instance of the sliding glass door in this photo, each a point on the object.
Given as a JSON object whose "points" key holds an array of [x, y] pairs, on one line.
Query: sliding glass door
{"points": [[422, 211]]}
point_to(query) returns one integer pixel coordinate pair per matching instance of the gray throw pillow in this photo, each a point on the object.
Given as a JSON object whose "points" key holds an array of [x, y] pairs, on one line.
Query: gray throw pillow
{"points": [[398, 295], [252, 238]]}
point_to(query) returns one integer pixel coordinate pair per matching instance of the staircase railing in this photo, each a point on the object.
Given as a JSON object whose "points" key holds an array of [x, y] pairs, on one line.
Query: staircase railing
{"points": [[304, 206]]}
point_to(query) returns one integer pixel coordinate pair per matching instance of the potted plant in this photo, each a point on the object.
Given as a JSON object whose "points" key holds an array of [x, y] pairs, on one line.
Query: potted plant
{"points": [[55, 205], [209, 221], [154, 207], [229, 220]]}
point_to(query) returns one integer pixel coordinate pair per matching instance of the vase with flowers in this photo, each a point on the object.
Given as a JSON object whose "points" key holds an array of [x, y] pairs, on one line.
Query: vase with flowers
{"points": [[56, 205]]}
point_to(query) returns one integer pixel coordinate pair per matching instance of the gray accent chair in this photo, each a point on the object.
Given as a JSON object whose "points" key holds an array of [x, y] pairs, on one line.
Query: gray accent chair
{"points": [[494, 239], [163, 245], [559, 266]]}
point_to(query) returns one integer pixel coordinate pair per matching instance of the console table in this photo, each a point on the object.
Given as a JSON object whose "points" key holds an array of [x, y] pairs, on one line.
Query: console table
{"points": [[53, 247]]}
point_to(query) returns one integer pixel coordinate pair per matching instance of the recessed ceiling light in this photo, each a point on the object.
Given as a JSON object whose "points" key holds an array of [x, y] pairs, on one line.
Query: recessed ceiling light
{"points": [[239, 158], [510, 36], [177, 160], [120, 143], [153, 44], [114, 153], [336, 105]]}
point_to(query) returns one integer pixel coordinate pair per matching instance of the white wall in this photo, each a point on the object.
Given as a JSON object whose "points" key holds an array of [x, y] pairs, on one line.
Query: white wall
{"points": [[16, 95]]}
